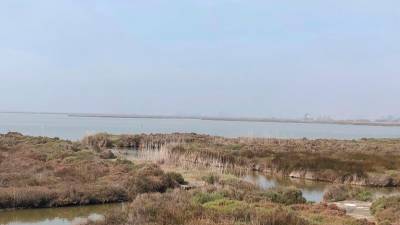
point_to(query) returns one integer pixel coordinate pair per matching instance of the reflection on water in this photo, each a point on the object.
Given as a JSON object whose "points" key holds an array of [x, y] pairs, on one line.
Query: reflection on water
{"points": [[56, 216], [312, 191]]}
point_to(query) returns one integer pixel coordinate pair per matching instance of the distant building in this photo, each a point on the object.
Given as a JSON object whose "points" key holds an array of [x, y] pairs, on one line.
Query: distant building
{"points": [[308, 117]]}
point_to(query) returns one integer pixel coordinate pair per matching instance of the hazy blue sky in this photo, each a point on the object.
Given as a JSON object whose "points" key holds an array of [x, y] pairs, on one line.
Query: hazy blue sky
{"points": [[212, 57]]}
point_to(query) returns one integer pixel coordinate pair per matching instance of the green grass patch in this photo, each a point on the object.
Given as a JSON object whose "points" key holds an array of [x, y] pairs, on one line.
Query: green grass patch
{"points": [[224, 205], [204, 197]]}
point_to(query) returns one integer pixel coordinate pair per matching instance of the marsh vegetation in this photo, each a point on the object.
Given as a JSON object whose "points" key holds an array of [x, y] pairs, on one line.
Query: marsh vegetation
{"points": [[364, 162], [387, 210], [40, 172], [165, 185], [228, 202]]}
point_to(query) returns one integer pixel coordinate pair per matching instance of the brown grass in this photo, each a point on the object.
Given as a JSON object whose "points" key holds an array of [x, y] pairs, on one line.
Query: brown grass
{"points": [[48, 172], [387, 210]]}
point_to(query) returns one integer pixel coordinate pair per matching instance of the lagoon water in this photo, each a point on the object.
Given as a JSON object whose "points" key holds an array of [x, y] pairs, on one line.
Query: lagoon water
{"points": [[56, 216], [74, 128]]}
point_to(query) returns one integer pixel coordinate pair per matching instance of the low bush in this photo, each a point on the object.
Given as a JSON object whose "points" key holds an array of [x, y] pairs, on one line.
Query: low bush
{"points": [[286, 196], [128, 141], [336, 193], [237, 189], [176, 177], [97, 141], [364, 195], [107, 154], [211, 178]]}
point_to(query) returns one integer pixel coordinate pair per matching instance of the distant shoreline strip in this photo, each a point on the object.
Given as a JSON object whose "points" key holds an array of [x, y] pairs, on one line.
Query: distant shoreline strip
{"points": [[222, 119], [226, 119]]}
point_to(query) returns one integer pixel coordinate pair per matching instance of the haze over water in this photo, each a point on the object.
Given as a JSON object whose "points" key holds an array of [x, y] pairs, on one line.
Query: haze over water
{"points": [[74, 128]]}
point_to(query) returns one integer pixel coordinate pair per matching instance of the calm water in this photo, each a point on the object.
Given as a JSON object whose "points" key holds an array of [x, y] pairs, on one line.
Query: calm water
{"points": [[56, 216], [312, 190], [75, 128]]}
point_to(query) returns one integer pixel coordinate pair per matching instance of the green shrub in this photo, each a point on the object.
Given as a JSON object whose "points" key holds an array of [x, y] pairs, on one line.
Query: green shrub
{"points": [[287, 196], [364, 195]]}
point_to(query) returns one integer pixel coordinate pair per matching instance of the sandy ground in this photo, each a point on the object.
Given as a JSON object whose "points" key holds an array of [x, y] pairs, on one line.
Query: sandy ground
{"points": [[357, 209]]}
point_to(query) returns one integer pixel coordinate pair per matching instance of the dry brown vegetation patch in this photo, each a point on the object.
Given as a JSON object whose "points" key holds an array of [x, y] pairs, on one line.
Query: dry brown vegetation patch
{"points": [[47, 172]]}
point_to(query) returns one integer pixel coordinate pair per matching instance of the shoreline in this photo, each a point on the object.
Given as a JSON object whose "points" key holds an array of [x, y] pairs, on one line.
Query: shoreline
{"points": [[222, 119], [238, 119]]}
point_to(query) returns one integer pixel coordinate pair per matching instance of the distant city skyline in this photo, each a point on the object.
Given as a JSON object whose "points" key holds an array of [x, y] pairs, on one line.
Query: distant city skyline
{"points": [[306, 117], [228, 58]]}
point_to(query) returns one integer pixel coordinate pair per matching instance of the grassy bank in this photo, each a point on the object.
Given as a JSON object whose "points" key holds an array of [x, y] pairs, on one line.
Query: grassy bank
{"points": [[368, 162], [49, 172]]}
